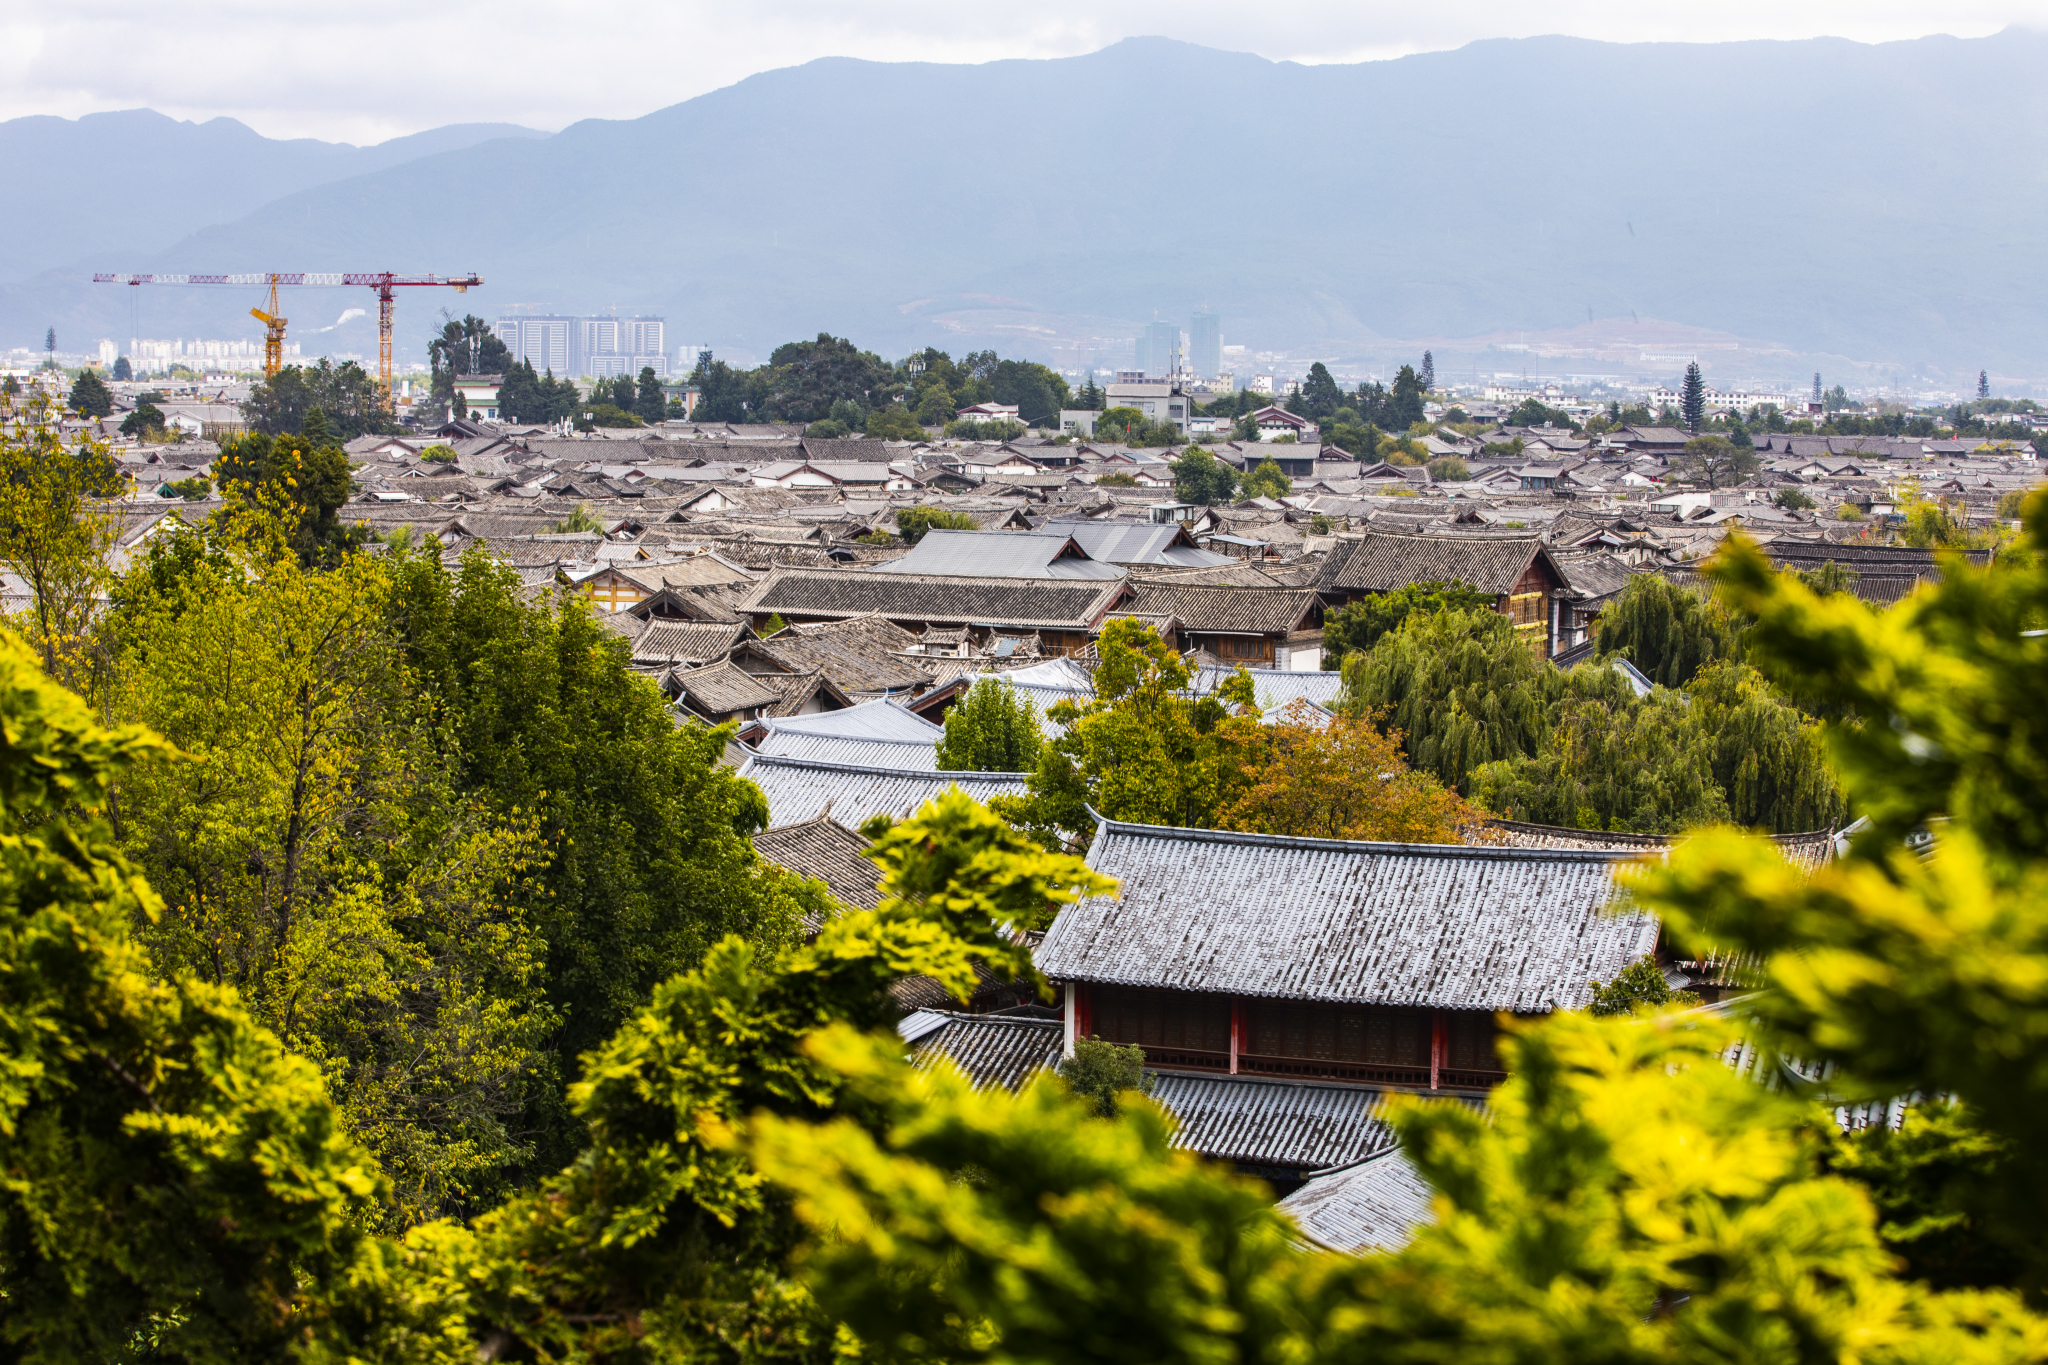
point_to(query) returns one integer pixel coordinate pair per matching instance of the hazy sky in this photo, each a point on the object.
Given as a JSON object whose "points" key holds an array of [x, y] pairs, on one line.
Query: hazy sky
{"points": [[364, 70]]}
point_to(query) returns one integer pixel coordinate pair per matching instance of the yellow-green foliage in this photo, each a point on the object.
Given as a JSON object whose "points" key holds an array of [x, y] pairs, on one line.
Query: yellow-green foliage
{"points": [[169, 1170]]}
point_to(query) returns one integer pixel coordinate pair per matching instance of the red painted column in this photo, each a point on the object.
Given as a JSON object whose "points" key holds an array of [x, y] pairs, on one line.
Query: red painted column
{"points": [[1236, 1031], [1439, 1046]]}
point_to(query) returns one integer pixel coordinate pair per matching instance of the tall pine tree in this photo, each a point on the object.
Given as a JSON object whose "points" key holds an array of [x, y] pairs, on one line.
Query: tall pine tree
{"points": [[1428, 371], [1983, 383], [1692, 398]]}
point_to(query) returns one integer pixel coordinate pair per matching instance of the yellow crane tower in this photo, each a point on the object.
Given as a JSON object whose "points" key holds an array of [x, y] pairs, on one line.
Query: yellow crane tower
{"points": [[273, 333]]}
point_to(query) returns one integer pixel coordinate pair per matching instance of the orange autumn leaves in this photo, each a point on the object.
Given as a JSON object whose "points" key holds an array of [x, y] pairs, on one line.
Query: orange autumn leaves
{"points": [[1342, 777]]}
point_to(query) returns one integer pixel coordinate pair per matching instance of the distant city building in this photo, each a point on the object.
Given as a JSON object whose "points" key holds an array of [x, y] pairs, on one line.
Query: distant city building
{"points": [[593, 347], [1205, 345], [149, 354], [1720, 401], [1160, 402], [1159, 350], [687, 355]]}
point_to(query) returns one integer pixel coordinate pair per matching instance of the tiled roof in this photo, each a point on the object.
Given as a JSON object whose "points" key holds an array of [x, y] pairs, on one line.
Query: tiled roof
{"points": [[720, 689], [1348, 922], [933, 598], [1273, 1123], [825, 849], [993, 1049], [800, 789], [1000, 554], [1383, 562], [684, 641], [882, 718], [871, 753], [1263, 611], [1810, 850], [859, 654], [1373, 1206]]}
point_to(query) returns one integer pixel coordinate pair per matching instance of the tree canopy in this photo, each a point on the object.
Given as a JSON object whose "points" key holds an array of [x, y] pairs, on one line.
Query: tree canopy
{"points": [[991, 728], [1200, 477]]}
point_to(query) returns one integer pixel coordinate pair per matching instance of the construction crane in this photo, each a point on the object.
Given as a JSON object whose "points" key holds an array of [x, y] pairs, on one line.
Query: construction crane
{"points": [[273, 333], [383, 282]]}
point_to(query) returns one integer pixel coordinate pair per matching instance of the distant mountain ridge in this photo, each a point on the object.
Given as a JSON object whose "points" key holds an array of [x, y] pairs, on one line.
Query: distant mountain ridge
{"points": [[136, 181], [1873, 201]]}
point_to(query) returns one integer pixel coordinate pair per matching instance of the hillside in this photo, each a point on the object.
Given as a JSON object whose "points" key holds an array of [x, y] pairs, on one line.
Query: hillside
{"points": [[122, 185], [1822, 196]]}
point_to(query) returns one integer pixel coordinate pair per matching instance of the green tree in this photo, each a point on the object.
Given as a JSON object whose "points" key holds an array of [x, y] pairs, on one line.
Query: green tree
{"points": [[123, 371], [1319, 397], [1359, 625], [992, 728], [913, 522], [1449, 469], [146, 422], [648, 858], [312, 856], [1101, 1073], [1404, 401], [1268, 480], [1692, 398], [935, 408], [347, 394], [1667, 631], [1111, 422], [652, 407], [1793, 500], [177, 1183], [90, 397], [1141, 749], [1640, 985], [1200, 477], [1534, 412], [1462, 688], [1715, 461], [300, 485], [58, 526]]}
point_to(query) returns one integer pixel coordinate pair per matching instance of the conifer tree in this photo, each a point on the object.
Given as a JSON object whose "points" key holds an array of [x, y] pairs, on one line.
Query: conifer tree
{"points": [[1983, 384], [1428, 371], [1692, 398]]}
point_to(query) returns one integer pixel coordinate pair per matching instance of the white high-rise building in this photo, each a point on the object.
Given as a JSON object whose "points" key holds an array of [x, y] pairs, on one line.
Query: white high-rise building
{"points": [[596, 347]]}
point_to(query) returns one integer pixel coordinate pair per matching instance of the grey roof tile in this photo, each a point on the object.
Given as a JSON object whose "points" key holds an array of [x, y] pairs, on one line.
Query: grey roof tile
{"points": [[1273, 1123], [993, 1049], [1383, 561], [800, 789], [825, 849], [1028, 602], [1441, 926], [1373, 1206]]}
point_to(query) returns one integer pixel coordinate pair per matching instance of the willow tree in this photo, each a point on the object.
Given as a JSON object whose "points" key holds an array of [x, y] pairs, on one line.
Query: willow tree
{"points": [[1668, 631]]}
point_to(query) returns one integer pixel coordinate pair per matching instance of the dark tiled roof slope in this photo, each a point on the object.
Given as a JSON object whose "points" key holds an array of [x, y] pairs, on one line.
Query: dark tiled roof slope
{"points": [[1810, 849], [1054, 603], [1264, 611], [1433, 925], [825, 849], [993, 1049], [1382, 562], [1373, 1206], [684, 642], [720, 688], [800, 789], [1274, 1123], [859, 654]]}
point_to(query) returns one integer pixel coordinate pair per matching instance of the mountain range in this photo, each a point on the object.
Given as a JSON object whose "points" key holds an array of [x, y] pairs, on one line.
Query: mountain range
{"points": [[1781, 200]]}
